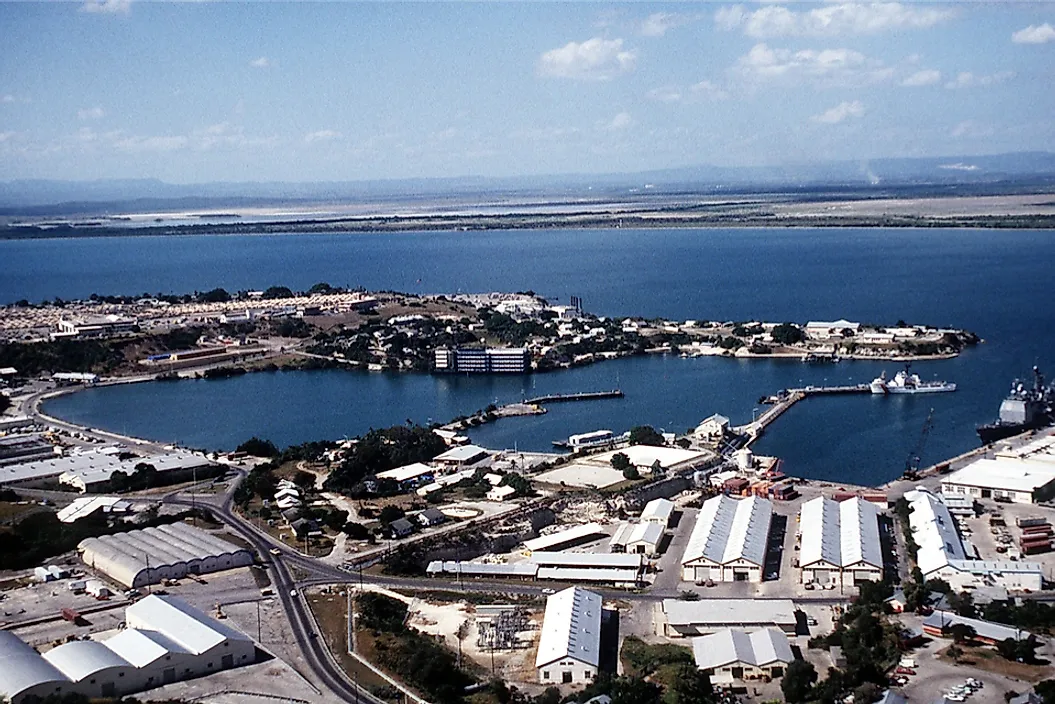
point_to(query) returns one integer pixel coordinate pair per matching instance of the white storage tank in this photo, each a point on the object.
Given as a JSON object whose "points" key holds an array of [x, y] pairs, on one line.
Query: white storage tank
{"points": [[745, 459]]}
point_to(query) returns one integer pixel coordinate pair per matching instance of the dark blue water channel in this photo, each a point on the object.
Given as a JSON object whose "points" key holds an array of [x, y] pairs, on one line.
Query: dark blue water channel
{"points": [[996, 283]]}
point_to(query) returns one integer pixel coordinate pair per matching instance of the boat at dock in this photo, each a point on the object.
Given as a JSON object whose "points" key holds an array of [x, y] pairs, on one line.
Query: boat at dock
{"points": [[1024, 408], [905, 382]]}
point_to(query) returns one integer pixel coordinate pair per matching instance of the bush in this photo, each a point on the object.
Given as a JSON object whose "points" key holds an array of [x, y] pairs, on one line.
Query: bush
{"points": [[258, 447]]}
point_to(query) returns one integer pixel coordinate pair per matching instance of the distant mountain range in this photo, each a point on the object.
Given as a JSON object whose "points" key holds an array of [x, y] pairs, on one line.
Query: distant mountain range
{"points": [[1016, 171]]}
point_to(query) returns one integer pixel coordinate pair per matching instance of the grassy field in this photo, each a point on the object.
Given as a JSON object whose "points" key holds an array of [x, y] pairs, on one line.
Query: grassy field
{"points": [[991, 661], [330, 612]]}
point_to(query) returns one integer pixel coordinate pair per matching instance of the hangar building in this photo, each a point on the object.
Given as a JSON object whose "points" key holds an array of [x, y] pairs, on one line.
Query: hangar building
{"points": [[165, 640], [148, 556]]}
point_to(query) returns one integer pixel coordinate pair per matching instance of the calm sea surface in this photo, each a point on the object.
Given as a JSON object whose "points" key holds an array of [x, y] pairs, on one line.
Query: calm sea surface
{"points": [[996, 283]]}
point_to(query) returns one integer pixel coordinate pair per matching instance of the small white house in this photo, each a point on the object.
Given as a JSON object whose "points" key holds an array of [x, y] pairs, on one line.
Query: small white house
{"points": [[501, 493]]}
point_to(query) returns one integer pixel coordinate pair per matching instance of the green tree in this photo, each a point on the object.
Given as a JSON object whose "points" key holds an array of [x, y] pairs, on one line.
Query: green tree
{"points": [[961, 633], [620, 462], [217, 295], [631, 473], [798, 681], [278, 292], [1046, 690], [688, 685], [787, 334], [258, 447], [391, 513], [356, 531], [646, 435]]}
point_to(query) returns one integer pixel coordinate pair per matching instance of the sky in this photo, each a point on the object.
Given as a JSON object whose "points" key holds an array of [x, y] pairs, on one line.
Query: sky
{"points": [[329, 91]]}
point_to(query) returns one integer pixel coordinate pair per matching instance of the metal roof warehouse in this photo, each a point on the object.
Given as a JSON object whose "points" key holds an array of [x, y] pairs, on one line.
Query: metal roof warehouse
{"points": [[692, 618], [141, 557], [840, 542], [728, 542], [569, 647]]}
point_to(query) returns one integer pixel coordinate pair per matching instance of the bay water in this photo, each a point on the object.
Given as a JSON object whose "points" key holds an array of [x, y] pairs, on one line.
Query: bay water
{"points": [[993, 282]]}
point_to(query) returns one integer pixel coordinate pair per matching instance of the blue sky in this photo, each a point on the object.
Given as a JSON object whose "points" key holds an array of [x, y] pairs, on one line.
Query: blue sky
{"points": [[272, 91]]}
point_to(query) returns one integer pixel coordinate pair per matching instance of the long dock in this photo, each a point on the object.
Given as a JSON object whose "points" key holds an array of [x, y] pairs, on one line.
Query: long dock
{"points": [[755, 428], [584, 396]]}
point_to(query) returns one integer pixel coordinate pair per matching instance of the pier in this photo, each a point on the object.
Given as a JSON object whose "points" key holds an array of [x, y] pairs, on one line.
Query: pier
{"points": [[585, 396], [789, 398]]}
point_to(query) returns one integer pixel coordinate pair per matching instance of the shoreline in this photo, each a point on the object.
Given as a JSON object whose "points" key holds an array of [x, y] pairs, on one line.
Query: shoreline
{"points": [[470, 224]]}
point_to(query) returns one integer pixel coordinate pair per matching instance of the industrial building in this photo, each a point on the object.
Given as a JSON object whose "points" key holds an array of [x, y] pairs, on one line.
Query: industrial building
{"points": [[1026, 479], [461, 456], [490, 360], [658, 511], [409, 476], [563, 539], [729, 655], [839, 542], [141, 557], [728, 542], [942, 554], [88, 505], [938, 624], [91, 471], [165, 640], [696, 618], [617, 570], [570, 640], [25, 448], [100, 326], [644, 539]]}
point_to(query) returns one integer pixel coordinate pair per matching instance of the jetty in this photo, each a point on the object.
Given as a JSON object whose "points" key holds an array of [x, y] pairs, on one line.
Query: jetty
{"points": [[584, 396], [789, 398]]}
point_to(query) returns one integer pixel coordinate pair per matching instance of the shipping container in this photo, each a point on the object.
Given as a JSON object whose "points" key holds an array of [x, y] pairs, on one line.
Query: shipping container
{"points": [[1031, 521]]}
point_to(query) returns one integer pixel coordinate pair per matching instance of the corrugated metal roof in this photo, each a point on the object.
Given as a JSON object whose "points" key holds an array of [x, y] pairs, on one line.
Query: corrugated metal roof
{"points": [[544, 542], [649, 533], [571, 627], [180, 622], [729, 529], [522, 569], [406, 472], [729, 612], [21, 667], [585, 559], [462, 453], [986, 629], [572, 574], [141, 648], [841, 534], [658, 510], [83, 658], [934, 531], [727, 646]]}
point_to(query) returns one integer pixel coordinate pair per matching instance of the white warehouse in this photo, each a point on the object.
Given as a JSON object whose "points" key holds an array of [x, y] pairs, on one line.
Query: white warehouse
{"points": [[165, 640], [148, 556], [728, 542], [942, 555], [839, 542], [570, 643]]}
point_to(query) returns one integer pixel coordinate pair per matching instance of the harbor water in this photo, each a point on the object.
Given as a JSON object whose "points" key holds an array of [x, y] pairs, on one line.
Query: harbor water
{"points": [[995, 283]]}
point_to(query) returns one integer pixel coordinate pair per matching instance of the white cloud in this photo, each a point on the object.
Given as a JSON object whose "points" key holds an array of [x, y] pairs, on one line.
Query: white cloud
{"points": [[830, 20], [321, 136], [4, 136], [831, 65], [927, 77], [1034, 34], [111, 7], [618, 123], [971, 129], [665, 94], [840, 112], [137, 144], [95, 113], [260, 62], [592, 60], [966, 79], [708, 90], [658, 23]]}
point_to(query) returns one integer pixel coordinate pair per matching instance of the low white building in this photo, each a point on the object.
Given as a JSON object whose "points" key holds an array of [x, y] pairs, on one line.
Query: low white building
{"points": [[730, 655], [570, 639], [644, 539], [839, 542], [942, 554], [696, 618], [500, 493], [712, 428], [728, 542], [658, 511], [461, 456], [1023, 481], [826, 330], [165, 641]]}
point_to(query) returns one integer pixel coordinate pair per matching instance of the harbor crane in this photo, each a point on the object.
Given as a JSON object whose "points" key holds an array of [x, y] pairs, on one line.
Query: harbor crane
{"points": [[915, 454]]}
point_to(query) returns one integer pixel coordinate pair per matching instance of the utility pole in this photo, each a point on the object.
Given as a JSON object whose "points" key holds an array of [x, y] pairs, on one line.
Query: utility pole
{"points": [[258, 638]]}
